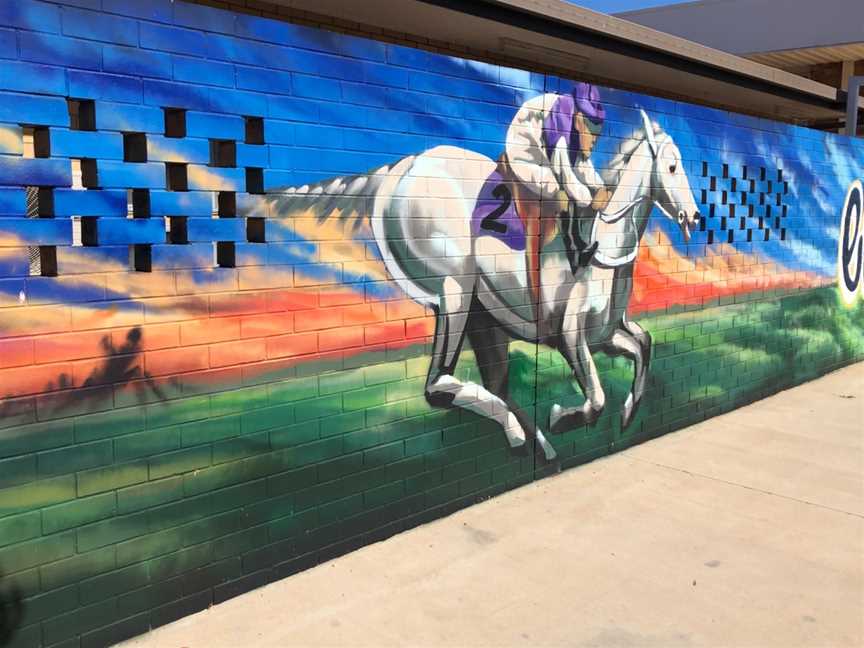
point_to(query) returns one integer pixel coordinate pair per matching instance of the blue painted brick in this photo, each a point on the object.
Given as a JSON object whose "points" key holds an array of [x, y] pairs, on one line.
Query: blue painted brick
{"points": [[250, 254], [181, 203], [8, 44], [175, 95], [278, 132], [129, 118], [35, 16], [194, 70], [111, 87], [86, 260], [27, 77], [213, 126], [13, 202], [158, 10], [275, 232], [15, 262], [282, 157], [172, 149], [362, 48], [203, 178], [84, 144], [216, 229], [35, 171], [201, 17], [191, 255], [97, 25], [11, 139], [38, 231], [72, 52], [314, 135], [386, 75], [338, 67], [316, 88], [141, 175], [174, 40], [92, 202], [117, 231], [249, 205], [270, 81], [136, 62], [292, 109], [227, 101], [49, 290], [275, 179], [252, 155]]}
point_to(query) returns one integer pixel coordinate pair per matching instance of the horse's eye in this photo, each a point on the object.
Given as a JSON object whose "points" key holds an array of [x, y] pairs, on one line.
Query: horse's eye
{"points": [[673, 168]]}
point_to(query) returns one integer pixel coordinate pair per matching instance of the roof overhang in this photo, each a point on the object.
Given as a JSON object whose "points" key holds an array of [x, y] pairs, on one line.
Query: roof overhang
{"points": [[554, 34]]}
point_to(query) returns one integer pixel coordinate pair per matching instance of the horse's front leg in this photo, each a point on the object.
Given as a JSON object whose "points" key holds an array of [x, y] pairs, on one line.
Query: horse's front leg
{"points": [[575, 349], [633, 342]]}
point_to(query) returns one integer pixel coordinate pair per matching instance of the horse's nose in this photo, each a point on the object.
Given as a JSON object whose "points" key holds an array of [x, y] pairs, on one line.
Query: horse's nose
{"points": [[696, 217], [681, 217]]}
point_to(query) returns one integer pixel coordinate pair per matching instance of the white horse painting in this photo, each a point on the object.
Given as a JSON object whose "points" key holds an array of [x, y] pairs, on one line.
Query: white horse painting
{"points": [[420, 209]]}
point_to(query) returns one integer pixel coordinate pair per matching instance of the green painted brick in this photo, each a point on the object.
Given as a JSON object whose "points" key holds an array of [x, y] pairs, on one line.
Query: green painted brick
{"points": [[181, 561], [316, 451], [75, 458], [233, 497], [38, 552], [147, 546], [77, 568], [38, 436], [423, 443], [315, 408], [390, 372], [50, 604], [292, 435], [111, 477], [85, 618], [147, 443], [363, 398], [111, 531], [384, 454], [406, 388], [293, 525], [210, 527], [181, 461], [266, 418], [180, 512], [147, 598], [177, 411], [114, 583], [109, 424], [78, 512], [210, 430], [340, 466], [340, 382], [385, 414], [341, 509], [241, 447], [384, 494], [238, 400], [17, 528], [17, 470], [44, 492], [142, 496], [289, 391], [319, 494], [341, 423], [236, 544], [114, 633]]}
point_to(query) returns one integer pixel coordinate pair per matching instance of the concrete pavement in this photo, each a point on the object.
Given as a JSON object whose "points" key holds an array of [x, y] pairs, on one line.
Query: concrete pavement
{"points": [[746, 530]]}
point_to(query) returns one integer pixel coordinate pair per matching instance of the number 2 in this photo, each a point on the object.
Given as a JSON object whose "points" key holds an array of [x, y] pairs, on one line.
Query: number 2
{"points": [[491, 221]]}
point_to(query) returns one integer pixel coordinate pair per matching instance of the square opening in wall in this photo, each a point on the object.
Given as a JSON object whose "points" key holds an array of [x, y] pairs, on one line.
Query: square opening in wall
{"points": [[176, 178], [176, 230], [175, 122], [254, 130], [225, 254], [82, 114], [226, 204], [255, 230], [43, 260], [36, 141], [85, 231], [85, 173], [134, 147], [223, 153], [140, 257], [254, 180], [138, 203], [40, 202]]}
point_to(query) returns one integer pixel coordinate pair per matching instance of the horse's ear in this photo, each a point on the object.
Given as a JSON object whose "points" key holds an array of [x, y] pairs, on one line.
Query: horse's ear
{"points": [[649, 132]]}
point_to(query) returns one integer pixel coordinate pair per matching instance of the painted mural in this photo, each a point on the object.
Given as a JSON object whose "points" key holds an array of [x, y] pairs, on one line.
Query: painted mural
{"points": [[269, 293]]}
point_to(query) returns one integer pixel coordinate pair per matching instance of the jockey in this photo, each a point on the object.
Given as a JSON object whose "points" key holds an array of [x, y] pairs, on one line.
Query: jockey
{"points": [[547, 153]]}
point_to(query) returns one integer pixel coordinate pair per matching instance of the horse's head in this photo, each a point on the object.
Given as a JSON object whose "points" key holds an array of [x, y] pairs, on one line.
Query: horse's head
{"points": [[670, 186]]}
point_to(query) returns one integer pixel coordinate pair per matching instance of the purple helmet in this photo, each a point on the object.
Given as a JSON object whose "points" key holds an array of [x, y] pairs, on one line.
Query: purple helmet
{"points": [[587, 99]]}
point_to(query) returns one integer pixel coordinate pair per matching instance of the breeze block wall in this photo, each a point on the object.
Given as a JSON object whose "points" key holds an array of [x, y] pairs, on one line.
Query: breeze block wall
{"points": [[231, 247]]}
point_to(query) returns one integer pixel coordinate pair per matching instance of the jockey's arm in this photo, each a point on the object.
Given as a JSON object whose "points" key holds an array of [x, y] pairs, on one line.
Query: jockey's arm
{"points": [[575, 189]]}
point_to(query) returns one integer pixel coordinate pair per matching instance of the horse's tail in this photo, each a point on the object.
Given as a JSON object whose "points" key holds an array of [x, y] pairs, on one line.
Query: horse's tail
{"points": [[351, 197]]}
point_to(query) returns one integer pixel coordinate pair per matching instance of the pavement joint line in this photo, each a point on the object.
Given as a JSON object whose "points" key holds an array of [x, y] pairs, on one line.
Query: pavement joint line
{"points": [[752, 488]]}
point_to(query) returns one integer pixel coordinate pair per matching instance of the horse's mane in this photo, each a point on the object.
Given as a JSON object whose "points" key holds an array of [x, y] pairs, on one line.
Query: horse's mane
{"points": [[612, 174]]}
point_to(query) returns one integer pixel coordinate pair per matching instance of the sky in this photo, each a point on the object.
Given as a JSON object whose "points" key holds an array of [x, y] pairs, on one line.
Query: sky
{"points": [[614, 6]]}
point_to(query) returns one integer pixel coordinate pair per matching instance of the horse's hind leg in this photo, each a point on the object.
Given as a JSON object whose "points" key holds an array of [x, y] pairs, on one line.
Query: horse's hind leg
{"points": [[491, 345], [574, 347], [443, 389], [633, 342]]}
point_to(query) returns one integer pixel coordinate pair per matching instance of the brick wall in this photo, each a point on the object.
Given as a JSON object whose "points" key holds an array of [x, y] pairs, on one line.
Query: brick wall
{"points": [[209, 381]]}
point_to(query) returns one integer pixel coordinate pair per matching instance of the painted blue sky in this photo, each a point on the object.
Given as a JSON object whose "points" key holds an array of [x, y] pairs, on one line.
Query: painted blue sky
{"points": [[614, 6]]}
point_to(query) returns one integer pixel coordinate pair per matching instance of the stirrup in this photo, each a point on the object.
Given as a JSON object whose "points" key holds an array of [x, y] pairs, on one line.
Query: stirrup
{"points": [[587, 255]]}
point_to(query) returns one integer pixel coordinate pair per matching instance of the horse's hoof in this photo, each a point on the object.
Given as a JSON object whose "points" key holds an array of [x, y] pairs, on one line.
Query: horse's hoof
{"points": [[629, 411], [555, 416], [546, 449]]}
